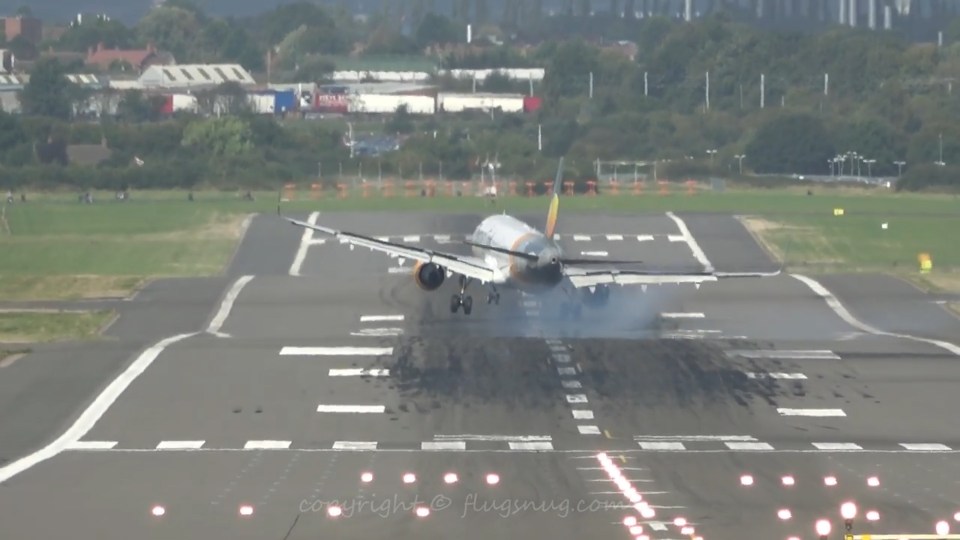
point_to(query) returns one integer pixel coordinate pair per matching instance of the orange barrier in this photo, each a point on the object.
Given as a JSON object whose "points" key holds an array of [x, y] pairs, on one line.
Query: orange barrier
{"points": [[388, 188], [289, 191], [530, 188], [548, 184], [568, 188], [691, 186], [638, 188], [513, 187], [342, 190], [316, 191], [591, 187], [614, 188], [664, 187]]}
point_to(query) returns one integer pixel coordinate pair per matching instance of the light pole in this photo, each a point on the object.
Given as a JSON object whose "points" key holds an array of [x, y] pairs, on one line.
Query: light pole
{"points": [[940, 139], [899, 165], [739, 158], [712, 152], [869, 162]]}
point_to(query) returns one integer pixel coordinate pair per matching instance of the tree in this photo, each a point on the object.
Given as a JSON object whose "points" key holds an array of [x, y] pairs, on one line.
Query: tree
{"points": [[135, 107], [173, 29], [49, 92], [401, 121], [436, 29], [791, 143], [219, 137]]}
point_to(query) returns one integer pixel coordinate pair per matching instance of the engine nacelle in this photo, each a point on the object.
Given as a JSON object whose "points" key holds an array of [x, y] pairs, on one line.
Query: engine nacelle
{"points": [[598, 298], [429, 276]]}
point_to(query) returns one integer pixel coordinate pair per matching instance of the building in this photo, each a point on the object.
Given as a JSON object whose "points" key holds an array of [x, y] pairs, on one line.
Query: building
{"points": [[30, 28], [136, 60], [194, 76]]}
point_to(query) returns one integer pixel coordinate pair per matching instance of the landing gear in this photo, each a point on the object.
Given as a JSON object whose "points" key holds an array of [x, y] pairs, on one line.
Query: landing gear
{"points": [[493, 297], [458, 300]]}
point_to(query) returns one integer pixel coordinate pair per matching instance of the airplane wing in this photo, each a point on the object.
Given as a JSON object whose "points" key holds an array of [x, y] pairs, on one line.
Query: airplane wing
{"points": [[466, 265], [581, 277]]}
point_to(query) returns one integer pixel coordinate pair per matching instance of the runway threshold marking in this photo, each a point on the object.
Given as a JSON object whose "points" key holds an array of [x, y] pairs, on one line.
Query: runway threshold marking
{"points": [[588, 430], [785, 354], [359, 372], [748, 446], [336, 351], [443, 445], [380, 318], [835, 446], [580, 414], [661, 445], [682, 315], [514, 445], [92, 445], [180, 445], [267, 445], [359, 409], [377, 332], [925, 447], [811, 412], [355, 445]]}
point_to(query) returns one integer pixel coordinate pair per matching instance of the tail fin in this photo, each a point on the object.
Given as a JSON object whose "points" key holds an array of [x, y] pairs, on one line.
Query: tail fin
{"points": [[552, 213]]}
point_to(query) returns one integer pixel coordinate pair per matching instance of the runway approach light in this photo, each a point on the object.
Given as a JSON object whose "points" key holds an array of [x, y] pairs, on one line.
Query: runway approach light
{"points": [[943, 528], [784, 514], [450, 478], [687, 531], [409, 478], [746, 480], [493, 479], [848, 510], [629, 521], [679, 521], [423, 511], [873, 481], [366, 477], [823, 527], [788, 480], [246, 510], [883, 226], [647, 512], [636, 530], [334, 511], [158, 511], [830, 481], [956, 517], [873, 515]]}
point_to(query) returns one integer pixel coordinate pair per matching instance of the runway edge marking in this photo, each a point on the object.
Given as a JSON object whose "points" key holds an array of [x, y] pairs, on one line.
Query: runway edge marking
{"points": [[844, 314], [692, 242], [226, 306], [93, 412]]}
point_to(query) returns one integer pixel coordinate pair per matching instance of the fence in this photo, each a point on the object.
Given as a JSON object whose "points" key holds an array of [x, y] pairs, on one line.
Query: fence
{"points": [[512, 188]]}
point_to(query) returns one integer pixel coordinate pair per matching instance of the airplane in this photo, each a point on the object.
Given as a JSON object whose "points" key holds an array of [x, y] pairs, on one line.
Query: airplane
{"points": [[510, 254]]}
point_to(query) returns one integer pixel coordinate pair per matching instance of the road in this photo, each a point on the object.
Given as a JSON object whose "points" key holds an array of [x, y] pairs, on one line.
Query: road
{"points": [[322, 394]]}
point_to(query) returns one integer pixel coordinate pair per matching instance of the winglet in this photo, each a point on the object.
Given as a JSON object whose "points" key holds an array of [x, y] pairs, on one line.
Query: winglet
{"points": [[554, 210]]}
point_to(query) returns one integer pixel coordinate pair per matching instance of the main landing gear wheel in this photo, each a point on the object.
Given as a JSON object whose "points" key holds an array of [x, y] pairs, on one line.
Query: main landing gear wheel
{"points": [[466, 301], [493, 298]]}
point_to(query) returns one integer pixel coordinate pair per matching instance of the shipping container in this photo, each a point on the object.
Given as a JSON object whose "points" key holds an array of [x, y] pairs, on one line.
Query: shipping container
{"points": [[184, 102], [532, 103], [284, 101], [166, 108], [262, 103], [511, 103], [388, 104]]}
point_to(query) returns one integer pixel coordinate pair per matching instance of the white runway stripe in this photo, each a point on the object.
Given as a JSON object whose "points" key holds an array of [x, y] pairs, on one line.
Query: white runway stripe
{"points": [[581, 238], [444, 238], [92, 445], [836, 446], [776, 375], [811, 412], [614, 237], [179, 445], [588, 430], [679, 315], [411, 239], [925, 446], [530, 445], [355, 445], [658, 445], [351, 408], [336, 351], [514, 438], [359, 372], [580, 414], [443, 445], [398, 270], [594, 253], [571, 384], [378, 332], [267, 445], [566, 371], [785, 355], [675, 238], [743, 438], [748, 446], [644, 238], [380, 318], [304, 245], [576, 398]]}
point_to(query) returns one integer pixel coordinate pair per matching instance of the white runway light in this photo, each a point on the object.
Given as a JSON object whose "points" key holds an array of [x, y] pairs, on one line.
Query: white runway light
{"points": [[943, 528], [873, 481], [334, 511], [746, 480], [450, 478], [493, 479], [409, 478], [158, 510], [788, 480], [784, 514], [873, 515], [830, 481], [246, 510]]}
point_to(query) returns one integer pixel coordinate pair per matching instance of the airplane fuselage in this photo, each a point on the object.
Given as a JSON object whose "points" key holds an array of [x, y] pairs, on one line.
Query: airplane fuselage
{"points": [[508, 232]]}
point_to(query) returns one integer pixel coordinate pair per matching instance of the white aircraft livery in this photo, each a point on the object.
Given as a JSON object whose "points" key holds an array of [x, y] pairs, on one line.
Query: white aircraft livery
{"points": [[508, 253]]}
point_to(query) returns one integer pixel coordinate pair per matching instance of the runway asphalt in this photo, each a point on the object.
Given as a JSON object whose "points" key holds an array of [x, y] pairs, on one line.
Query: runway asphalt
{"points": [[296, 386]]}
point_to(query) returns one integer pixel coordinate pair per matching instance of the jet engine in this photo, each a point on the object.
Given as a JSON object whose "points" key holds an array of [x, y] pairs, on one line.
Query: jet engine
{"points": [[598, 298], [429, 276]]}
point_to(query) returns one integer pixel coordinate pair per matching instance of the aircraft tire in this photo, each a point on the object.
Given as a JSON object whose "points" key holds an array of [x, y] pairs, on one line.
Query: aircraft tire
{"points": [[467, 305], [454, 303]]}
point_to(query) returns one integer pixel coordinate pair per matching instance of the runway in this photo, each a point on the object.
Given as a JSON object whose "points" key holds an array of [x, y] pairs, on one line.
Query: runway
{"points": [[325, 395]]}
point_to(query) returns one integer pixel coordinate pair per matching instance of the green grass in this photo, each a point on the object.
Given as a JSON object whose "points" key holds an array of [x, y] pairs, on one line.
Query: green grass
{"points": [[45, 327], [58, 248]]}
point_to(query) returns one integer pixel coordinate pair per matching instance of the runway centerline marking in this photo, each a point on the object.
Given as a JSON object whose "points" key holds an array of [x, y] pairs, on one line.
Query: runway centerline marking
{"points": [[594, 253], [516, 445], [580, 414], [836, 446], [359, 372], [336, 351], [811, 412], [925, 447], [588, 430], [660, 445], [814, 354], [644, 238], [359, 409], [92, 445], [377, 332], [443, 445], [748, 446], [304, 245], [180, 445], [682, 315], [614, 237], [581, 238], [355, 445]]}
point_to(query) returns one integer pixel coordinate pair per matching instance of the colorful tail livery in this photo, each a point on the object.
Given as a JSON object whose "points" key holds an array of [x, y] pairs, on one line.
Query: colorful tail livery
{"points": [[551, 226]]}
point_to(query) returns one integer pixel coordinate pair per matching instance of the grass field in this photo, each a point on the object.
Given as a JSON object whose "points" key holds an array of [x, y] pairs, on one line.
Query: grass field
{"points": [[28, 327], [54, 247]]}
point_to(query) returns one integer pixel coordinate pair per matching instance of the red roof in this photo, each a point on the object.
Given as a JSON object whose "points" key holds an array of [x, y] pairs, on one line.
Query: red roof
{"points": [[103, 57]]}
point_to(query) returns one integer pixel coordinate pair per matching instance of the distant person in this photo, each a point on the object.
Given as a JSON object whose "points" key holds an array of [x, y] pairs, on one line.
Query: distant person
{"points": [[190, 196], [9, 197], [23, 197]]}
